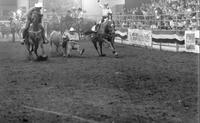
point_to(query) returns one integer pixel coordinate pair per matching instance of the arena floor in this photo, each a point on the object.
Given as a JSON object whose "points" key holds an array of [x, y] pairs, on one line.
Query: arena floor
{"points": [[141, 86]]}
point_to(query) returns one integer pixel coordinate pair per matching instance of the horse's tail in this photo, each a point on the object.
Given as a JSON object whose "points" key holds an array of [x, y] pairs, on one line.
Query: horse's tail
{"points": [[122, 35], [51, 38]]}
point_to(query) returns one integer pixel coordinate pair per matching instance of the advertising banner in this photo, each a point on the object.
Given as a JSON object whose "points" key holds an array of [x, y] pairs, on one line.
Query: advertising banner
{"points": [[191, 38], [140, 37]]}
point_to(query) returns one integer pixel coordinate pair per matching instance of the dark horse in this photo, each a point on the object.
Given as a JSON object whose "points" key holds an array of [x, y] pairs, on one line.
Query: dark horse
{"points": [[105, 32], [34, 37]]}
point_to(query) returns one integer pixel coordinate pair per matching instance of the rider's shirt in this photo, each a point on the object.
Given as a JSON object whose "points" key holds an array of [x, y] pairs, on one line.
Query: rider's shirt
{"points": [[80, 15], [105, 11], [72, 37]]}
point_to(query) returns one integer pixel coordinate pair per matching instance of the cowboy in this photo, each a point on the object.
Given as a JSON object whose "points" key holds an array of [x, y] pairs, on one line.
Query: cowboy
{"points": [[37, 8], [105, 10], [80, 13], [72, 42]]}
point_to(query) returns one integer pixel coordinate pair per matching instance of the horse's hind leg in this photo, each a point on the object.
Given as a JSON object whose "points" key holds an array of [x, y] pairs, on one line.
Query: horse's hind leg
{"points": [[101, 48], [112, 47], [69, 49], [57, 50], [51, 46], [95, 45]]}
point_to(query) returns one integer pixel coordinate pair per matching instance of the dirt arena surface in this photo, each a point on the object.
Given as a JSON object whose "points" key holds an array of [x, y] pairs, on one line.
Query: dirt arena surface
{"points": [[141, 86]]}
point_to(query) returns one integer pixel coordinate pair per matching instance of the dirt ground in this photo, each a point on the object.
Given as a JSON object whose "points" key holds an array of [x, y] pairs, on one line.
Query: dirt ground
{"points": [[141, 86]]}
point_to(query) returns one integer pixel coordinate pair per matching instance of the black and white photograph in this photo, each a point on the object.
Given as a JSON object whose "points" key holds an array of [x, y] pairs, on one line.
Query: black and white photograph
{"points": [[99, 61]]}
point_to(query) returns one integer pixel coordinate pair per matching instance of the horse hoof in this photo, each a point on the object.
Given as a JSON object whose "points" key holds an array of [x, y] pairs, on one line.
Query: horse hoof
{"points": [[82, 51], [42, 58], [116, 56], [102, 55]]}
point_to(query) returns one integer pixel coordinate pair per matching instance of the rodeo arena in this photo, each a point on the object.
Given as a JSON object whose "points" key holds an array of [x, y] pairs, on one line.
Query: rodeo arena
{"points": [[99, 61]]}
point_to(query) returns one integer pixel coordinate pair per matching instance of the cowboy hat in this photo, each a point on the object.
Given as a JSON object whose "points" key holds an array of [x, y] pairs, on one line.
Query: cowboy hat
{"points": [[106, 3], [39, 5], [73, 8], [71, 29]]}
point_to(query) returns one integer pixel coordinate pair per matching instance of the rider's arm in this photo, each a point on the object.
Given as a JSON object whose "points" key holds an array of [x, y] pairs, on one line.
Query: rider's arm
{"points": [[110, 11], [100, 4]]}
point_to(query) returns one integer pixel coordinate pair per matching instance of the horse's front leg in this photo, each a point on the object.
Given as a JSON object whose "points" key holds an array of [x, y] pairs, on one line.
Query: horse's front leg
{"points": [[28, 46], [111, 43], [42, 48], [35, 50]]}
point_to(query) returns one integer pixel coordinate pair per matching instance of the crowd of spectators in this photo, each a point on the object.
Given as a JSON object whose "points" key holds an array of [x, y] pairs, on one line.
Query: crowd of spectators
{"points": [[164, 14]]}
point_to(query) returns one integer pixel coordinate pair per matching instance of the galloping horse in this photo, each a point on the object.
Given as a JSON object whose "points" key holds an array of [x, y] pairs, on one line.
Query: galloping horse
{"points": [[105, 32], [34, 38]]}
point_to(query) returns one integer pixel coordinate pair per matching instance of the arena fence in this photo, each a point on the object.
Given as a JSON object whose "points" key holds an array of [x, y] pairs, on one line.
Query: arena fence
{"points": [[165, 32], [183, 41]]}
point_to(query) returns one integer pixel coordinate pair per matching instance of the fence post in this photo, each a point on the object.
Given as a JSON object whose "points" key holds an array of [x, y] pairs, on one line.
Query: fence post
{"points": [[160, 46], [177, 47], [13, 36]]}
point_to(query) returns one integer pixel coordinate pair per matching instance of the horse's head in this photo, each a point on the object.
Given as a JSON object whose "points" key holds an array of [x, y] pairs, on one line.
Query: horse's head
{"points": [[110, 27], [35, 17]]}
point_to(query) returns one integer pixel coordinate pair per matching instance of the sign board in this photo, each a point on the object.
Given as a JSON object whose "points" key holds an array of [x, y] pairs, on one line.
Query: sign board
{"points": [[191, 38], [140, 37]]}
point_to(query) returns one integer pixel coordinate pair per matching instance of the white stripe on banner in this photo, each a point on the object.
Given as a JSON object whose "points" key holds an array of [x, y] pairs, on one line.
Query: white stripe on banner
{"points": [[163, 36], [121, 33]]}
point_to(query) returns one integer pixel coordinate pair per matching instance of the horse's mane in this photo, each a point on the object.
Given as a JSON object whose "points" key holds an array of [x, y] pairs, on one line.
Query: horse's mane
{"points": [[35, 16], [108, 24]]}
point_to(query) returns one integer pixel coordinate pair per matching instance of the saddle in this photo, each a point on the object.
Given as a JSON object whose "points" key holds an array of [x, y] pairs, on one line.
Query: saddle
{"points": [[100, 26]]}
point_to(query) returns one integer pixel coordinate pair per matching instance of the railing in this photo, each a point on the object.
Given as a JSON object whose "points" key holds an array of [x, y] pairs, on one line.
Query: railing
{"points": [[4, 18], [147, 22]]}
